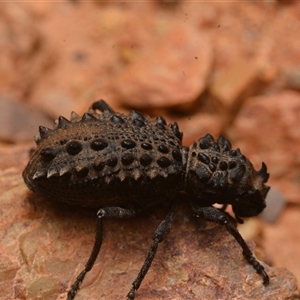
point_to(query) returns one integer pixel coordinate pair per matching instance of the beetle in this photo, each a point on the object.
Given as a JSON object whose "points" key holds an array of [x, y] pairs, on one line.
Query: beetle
{"points": [[126, 164]]}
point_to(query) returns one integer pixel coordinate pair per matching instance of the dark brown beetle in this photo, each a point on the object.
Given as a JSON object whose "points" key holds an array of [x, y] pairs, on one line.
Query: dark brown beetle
{"points": [[125, 164]]}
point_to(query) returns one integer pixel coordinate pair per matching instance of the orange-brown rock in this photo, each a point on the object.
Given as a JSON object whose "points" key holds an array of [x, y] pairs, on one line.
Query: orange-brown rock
{"points": [[43, 247], [172, 72]]}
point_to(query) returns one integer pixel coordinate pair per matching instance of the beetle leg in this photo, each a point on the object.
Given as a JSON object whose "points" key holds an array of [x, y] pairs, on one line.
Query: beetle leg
{"points": [[210, 213], [158, 236], [109, 213], [223, 208]]}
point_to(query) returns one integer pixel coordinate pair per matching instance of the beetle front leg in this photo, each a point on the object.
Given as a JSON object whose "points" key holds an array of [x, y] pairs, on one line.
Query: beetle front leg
{"points": [[210, 213], [109, 213]]}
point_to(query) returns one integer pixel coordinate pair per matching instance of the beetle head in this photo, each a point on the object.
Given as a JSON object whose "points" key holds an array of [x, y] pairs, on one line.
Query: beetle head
{"points": [[251, 193]]}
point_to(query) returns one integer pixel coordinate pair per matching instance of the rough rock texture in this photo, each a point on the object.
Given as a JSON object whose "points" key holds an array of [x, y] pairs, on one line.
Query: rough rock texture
{"points": [[180, 78], [282, 240], [199, 125], [60, 66], [43, 247], [233, 86], [277, 118], [25, 52], [18, 122]]}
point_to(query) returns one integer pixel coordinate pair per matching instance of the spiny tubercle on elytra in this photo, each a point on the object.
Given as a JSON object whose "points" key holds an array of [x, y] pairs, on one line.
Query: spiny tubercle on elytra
{"points": [[125, 164]]}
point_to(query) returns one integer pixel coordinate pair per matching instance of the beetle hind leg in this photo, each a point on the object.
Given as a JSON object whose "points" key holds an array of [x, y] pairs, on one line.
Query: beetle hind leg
{"points": [[109, 212]]}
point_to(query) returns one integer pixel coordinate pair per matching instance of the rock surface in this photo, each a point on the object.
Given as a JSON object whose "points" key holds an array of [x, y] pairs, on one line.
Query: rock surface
{"points": [[57, 66], [268, 126], [19, 122], [172, 73], [44, 246]]}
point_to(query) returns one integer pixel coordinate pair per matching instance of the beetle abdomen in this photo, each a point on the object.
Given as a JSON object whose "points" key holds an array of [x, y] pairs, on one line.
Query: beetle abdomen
{"points": [[107, 158]]}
